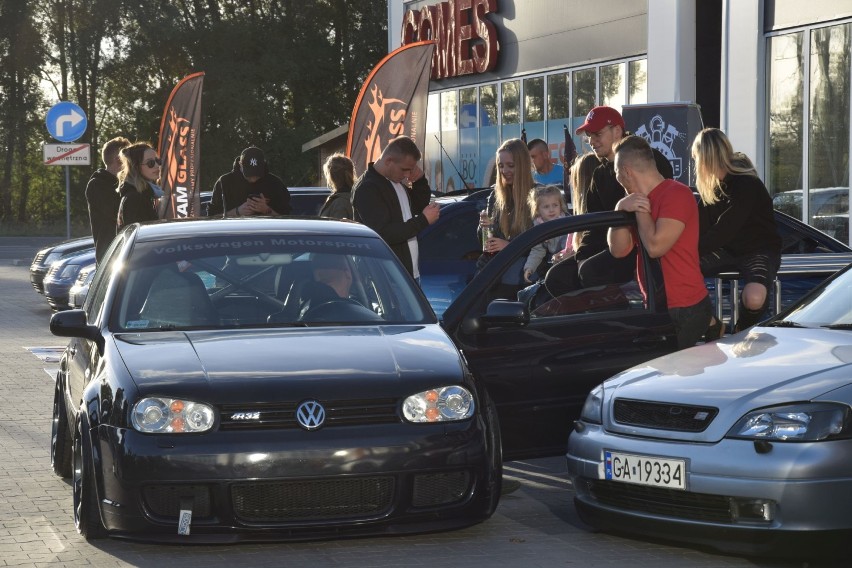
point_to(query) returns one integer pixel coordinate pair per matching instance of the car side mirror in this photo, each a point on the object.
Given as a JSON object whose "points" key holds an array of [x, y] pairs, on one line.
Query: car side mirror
{"points": [[73, 323], [500, 313]]}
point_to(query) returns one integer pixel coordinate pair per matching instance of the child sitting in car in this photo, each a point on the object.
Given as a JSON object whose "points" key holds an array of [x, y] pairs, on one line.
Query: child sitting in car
{"points": [[546, 203]]}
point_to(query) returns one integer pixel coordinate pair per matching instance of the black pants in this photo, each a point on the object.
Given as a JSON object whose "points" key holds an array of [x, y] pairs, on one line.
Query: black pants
{"points": [[597, 270]]}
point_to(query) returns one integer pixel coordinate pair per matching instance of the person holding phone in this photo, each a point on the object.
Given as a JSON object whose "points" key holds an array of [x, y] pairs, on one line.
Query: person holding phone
{"points": [[249, 189]]}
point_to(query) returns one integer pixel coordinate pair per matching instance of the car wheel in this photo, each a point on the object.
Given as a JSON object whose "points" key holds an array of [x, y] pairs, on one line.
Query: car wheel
{"points": [[87, 518], [60, 436], [494, 481]]}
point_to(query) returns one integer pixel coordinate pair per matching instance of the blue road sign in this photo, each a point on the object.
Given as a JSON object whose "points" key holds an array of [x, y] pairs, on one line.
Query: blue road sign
{"points": [[66, 121]]}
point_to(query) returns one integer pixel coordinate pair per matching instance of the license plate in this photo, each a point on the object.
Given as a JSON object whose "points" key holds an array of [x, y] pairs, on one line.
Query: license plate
{"points": [[645, 470]]}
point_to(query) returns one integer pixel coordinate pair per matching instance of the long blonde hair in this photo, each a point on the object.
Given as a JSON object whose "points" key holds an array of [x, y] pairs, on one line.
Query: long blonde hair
{"points": [[339, 172], [131, 162], [512, 201], [581, 172], [713, 153]]}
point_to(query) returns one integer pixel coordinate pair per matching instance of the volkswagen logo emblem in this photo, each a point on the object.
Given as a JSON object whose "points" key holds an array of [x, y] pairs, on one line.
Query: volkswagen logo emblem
{"points": [[310, 415]]}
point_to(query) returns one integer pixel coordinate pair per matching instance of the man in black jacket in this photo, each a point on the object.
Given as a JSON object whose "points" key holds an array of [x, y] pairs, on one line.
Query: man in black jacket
{"points": [[102, 197], [392, 198], [249, 189], [603, 128]]}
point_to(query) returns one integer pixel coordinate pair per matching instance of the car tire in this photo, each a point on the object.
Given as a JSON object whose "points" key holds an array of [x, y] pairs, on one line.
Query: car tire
{"points": [[494, 479], [87, 518], [60, 436]]}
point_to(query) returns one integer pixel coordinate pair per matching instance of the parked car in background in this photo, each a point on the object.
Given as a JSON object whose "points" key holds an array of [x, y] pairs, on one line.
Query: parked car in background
{"points": [[743, 444], [62, 275], [48, 255], [80, 289], [304, 201], [195, 404], [449, 249], [828, 209]]}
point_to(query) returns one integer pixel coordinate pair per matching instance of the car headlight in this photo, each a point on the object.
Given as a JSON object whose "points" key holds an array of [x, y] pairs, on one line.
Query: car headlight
{"points": [[444, 404], [806, 422], [157, 415], [593, 407], [51, 258]]}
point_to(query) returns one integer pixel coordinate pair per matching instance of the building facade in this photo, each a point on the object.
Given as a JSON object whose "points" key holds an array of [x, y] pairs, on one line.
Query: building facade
{"points": [[773, 74]]}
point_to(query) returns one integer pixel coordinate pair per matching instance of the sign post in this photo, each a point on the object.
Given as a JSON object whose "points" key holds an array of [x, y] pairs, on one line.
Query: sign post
{"points": [[66, 122]]}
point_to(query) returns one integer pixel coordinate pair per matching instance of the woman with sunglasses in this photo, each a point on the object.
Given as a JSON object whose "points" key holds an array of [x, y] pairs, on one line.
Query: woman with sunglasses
{"points": [[141, 198]]}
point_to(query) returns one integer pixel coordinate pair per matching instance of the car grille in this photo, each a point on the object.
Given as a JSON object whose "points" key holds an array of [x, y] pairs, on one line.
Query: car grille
{"points": [[312, 500], [434, 489], [283, 414], [665, 502], [664, 416], [164, 500]]}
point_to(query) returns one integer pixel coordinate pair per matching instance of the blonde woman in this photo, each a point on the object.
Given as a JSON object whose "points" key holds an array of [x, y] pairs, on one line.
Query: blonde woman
{"points": [[339, 174], [141, 198], [507, 213], [738, 230]]}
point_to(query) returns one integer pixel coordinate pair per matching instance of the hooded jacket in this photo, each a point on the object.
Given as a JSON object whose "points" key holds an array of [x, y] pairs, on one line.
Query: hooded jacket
{"points": [[136, 206], [233, 189], [102, 199]]}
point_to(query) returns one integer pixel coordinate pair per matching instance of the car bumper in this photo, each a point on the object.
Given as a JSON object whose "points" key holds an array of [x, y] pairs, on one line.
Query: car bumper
{"points": [[293, 485], [805, 487], [56, 294]]}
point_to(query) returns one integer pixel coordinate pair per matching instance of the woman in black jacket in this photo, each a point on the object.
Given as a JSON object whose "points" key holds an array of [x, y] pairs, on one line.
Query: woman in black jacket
{"points": [[141, 198], [738, 231]]}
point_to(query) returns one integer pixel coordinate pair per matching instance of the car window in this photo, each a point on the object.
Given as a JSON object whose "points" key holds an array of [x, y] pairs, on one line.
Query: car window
{"points": [[222, 282], [100, 283], [307, 203]]}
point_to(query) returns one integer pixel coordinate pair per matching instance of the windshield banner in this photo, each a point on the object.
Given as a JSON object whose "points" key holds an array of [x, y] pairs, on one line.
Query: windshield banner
{"points": [[180, 148]]}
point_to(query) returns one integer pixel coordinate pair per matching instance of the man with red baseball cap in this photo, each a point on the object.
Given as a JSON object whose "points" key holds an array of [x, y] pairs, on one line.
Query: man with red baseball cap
{"points": [[593, 264]]}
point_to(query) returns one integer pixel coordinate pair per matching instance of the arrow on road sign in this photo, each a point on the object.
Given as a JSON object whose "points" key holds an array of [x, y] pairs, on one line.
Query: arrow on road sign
{"points": [[73, 118]]}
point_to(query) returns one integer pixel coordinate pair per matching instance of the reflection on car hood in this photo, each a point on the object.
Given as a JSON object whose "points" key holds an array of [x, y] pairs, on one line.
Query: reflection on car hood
{"points": [[763, 367], [291, 364]]}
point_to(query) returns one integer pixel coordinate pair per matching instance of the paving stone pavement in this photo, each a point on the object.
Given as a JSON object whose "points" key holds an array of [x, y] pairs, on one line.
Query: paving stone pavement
{"points": [[534, 527]]}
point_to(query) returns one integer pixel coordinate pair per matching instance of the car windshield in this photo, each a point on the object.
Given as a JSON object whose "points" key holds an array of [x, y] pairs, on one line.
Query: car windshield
{"points": [[278, 281], [831, 307]]}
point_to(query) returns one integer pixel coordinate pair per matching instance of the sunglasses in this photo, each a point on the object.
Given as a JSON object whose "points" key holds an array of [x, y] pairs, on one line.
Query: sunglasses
{"points": [[150, 163]]}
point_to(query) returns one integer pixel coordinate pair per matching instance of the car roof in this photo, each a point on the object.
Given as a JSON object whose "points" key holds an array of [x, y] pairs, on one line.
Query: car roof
{"points": [[250, 227]]}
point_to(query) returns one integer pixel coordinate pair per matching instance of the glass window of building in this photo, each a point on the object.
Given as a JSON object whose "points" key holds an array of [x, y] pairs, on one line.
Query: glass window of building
{"points": [[585, 92], [786, 84], [468, 138], [489, 135], [558, 111], [613, 88], [432, 153], [449, 139], [637, 81], [511, 115], [534, 107]]}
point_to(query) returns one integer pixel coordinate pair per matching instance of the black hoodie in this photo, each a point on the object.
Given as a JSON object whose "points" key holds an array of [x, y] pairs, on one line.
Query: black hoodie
{"points": [[102, 199], [232, 190]]}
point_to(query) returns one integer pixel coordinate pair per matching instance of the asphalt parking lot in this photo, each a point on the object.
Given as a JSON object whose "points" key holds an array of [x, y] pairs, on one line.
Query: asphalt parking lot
{"points": [[534, 526]]}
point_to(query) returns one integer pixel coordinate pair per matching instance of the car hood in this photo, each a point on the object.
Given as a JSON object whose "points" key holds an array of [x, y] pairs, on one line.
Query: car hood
{"points": [[763, 367], [291, 364]]}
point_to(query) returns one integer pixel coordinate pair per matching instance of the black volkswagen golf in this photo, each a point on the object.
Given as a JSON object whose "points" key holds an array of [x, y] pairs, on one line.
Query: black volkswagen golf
{"points": [[266, 379]]}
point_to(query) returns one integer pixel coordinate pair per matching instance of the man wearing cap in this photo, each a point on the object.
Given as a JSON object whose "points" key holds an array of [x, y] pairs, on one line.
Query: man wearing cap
{"points": [[249, 189], [603, 128]]}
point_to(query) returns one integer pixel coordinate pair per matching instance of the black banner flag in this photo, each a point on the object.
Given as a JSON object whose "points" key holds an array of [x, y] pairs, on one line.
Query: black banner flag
{"points": [[392, 103], [180, 147]]}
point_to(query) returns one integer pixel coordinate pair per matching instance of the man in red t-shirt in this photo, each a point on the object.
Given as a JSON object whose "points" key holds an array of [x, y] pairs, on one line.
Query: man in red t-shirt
{"points": [[667, 225]]}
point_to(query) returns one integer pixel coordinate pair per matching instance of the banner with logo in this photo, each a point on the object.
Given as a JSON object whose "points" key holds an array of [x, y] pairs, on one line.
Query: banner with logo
{"points": [[180, 148], [392, 103]]}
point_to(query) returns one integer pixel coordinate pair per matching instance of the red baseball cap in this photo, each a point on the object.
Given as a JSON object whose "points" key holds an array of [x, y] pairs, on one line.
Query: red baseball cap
{"points": [[599, 118]]}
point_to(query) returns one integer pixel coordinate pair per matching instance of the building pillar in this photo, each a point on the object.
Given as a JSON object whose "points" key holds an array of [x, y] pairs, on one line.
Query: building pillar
{"points": [[671, 51], [742, 105]]}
